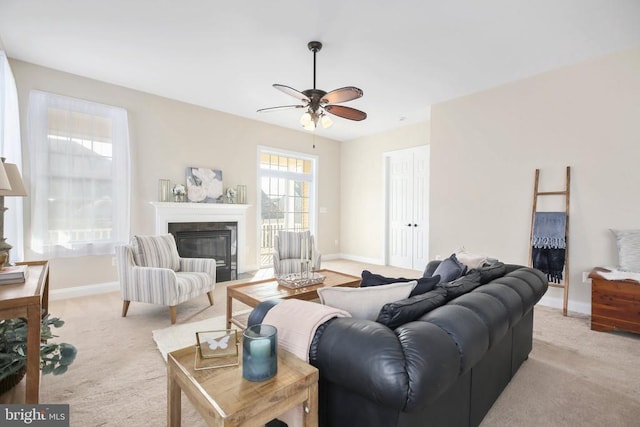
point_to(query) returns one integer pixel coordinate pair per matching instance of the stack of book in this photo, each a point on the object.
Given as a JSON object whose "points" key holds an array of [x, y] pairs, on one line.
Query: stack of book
{"points": [[14, 274]]}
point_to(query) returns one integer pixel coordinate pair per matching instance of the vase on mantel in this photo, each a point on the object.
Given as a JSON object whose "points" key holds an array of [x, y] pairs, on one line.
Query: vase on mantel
{"points": [[179, 198]]}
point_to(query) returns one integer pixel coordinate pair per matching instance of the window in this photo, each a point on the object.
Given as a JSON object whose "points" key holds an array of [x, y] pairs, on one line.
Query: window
{"points": [[287, 181], [79, 176]]}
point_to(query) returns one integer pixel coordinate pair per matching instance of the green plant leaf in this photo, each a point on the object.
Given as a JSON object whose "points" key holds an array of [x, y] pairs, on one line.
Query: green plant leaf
{"points": [[60, 370]]}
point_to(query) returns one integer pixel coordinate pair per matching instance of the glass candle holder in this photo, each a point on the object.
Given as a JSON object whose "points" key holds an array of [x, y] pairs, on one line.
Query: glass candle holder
{"points": [[241, 191], [163, 190], [259, 352]]}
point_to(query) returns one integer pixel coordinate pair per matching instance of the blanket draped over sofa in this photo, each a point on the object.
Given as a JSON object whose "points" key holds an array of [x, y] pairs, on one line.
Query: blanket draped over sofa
{"points": [[549, 244], [297, 322]]}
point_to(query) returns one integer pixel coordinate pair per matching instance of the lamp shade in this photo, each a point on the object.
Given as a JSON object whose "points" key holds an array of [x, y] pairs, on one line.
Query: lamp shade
{"points": [[15, 182], [4, 179]]}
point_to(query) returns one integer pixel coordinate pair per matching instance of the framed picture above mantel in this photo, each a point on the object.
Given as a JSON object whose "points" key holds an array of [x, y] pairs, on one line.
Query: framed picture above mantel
{"points": [[204, 185]]}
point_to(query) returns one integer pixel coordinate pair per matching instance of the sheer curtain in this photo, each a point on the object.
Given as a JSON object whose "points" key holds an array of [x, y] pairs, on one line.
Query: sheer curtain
{"points": [[11, 149], [80, 176]]}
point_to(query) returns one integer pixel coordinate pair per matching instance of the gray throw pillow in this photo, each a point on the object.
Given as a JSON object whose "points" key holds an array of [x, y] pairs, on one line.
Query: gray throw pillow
{"points": [[461, 285], [628, 243], [425, 284], [398, 313], [450, 269]]}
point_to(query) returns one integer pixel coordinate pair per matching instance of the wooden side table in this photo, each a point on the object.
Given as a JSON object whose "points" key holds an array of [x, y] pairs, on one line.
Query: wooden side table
{"points": [[28, 300], [615, 304], [224, 398]]}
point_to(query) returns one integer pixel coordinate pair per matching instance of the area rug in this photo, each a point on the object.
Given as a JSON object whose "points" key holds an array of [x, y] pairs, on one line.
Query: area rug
{"points": [[179, 336]]}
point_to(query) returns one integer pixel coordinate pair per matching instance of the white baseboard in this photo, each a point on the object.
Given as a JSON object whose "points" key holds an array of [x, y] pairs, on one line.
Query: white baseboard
{"points": [[555, 302], [375, 261], [83, 291]]}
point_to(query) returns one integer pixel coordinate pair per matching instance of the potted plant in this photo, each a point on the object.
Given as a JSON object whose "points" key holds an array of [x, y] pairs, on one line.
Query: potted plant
{"points": [[54, 357]]}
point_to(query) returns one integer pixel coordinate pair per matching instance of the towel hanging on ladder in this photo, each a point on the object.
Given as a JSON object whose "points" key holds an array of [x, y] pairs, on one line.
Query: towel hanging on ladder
{"points": [[549, 244]]}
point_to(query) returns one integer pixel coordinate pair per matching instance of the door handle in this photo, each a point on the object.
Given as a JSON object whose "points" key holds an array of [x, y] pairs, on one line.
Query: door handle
{"points": [[408, 225], [415, 225]]}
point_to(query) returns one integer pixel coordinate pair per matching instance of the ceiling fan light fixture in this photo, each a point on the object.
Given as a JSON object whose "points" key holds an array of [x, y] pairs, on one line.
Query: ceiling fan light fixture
{"points": [[310, 125], [317, 103], [325, 120], [305, 119]]}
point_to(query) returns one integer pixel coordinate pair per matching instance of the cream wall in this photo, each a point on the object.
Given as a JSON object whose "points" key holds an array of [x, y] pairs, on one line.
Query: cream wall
{"points": [[362, 196], [165, 137], [486, 147]]}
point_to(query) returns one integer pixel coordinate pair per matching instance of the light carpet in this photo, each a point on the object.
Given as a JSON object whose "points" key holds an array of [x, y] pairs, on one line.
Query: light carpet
{"points": [[574, 376], [179, 336]]}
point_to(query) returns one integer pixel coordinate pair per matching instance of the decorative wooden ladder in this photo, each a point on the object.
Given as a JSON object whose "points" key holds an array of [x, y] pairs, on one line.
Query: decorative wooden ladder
{"points": [[565, 193]]}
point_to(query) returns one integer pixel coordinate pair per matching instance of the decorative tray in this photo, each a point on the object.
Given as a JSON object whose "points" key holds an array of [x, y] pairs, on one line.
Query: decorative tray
{"points": [[296, 280]]}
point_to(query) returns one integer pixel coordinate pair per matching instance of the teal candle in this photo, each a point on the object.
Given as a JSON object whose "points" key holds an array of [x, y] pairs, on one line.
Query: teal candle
{"points": [[259, 354]]}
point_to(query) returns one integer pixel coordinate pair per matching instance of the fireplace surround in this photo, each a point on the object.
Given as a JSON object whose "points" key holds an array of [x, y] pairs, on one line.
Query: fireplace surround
{"points": [[215, 223], [217, 240]]}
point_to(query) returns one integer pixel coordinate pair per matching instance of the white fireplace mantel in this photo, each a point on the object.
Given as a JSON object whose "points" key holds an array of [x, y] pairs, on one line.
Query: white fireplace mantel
{"points": [[168, 212]]}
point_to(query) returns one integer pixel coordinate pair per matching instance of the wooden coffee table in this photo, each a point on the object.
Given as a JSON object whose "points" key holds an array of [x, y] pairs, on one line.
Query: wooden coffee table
{"points": [[253, 293], [224, 398]]}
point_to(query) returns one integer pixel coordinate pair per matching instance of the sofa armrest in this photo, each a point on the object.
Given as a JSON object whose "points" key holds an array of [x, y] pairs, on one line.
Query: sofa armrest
{"points": [[260, 311], [400, 371]]}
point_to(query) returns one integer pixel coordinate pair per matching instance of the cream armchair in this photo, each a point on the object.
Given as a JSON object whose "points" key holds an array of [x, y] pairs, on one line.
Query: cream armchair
{"points": [[151, 271], [287, 248]]}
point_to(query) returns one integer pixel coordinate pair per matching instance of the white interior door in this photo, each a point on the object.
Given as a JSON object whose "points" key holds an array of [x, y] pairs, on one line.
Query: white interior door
{"points": [[408, 208], [420, 208], [400, 209]]}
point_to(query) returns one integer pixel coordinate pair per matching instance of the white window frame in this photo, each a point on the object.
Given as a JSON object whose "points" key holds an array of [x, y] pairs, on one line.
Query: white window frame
{"points": [[312, 178], [41, 240]]}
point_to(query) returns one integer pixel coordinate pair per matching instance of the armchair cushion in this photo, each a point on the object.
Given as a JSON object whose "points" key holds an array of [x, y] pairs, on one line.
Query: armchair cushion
{"points": [[156, 251]]}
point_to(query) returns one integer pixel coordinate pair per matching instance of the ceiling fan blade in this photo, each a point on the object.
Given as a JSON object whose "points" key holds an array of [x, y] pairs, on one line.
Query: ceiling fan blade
{"points": [[343, 94], [346, 112], [292, 92], [281, 107]]}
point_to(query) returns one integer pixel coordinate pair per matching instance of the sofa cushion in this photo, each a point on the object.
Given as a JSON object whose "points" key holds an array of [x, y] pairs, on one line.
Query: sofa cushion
{"points": [[491, 272], [425, 284], [156, 251], [398, 313], [471, 260], [450, 269], [461, 285], [365, 303]]}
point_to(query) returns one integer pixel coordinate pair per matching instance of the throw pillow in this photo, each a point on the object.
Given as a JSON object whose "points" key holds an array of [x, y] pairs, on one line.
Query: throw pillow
{"points": [[462, 285], [425, 284], [431, 268], [156, 251], [400, 312], [365, 303], [450, 269], [628, 243], [490, 272], [471, 260]]}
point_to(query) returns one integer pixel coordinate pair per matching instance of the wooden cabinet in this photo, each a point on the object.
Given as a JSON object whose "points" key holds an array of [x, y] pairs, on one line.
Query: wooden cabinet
{"points": [[615, 304], [29, 300]]}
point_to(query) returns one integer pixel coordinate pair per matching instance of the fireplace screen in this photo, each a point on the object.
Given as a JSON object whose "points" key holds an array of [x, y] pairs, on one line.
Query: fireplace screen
{"points": [[209, 240]]}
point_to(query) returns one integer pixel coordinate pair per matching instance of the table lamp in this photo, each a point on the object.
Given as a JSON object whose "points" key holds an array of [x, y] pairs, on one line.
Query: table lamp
{"points": [[10, 185]]}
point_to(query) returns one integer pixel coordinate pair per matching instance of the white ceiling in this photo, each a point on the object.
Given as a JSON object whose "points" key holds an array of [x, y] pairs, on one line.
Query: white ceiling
{"points": [[405, 55]]}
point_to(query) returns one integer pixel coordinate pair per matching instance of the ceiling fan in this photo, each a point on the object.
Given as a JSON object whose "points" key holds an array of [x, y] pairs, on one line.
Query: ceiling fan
{"points": [[317, 102]]}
